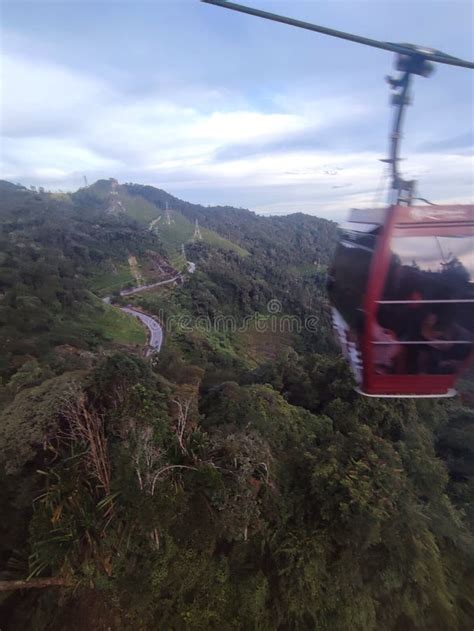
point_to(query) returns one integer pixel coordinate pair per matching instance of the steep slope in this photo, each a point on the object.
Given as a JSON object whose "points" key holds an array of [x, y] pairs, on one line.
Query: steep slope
{"points": [[284, 239], [162, 218], [51, 251]]}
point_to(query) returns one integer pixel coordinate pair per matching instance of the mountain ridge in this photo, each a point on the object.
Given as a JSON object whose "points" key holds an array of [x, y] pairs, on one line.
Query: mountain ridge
{"points": [[291, 236]]}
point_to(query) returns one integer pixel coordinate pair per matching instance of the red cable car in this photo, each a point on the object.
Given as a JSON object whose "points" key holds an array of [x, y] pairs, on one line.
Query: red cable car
{"points": [[402, 289], [402, 283]]}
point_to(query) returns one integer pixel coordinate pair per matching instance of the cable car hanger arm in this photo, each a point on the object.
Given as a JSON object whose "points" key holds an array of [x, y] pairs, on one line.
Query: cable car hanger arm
{"points": [[411, 60], [402, 49]]}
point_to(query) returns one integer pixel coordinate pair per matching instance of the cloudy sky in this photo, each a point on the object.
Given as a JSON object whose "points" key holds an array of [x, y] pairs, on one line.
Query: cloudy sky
{"points": [[219, 107]]}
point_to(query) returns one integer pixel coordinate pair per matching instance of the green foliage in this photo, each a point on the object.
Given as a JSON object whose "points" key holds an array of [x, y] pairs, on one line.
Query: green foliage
{"points": [[28, 374], [284, 241], [212, 488], [31, 420], [51, 247], [111, 278], [137, 203], [113, 325], [181, 230]]}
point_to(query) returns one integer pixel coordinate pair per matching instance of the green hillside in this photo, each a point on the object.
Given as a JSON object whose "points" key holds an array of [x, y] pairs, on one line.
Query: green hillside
{"points": [[281, 240], [236, 481], [152, 214], [181, 230], [113, 324], [53, 251], [108, 280]]}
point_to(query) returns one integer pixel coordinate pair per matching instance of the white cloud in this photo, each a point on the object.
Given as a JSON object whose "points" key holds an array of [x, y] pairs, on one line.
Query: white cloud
{"points": [[59, 123], [442, 178], [40, 97], [41, 157], [154, 131], [225, 127]]}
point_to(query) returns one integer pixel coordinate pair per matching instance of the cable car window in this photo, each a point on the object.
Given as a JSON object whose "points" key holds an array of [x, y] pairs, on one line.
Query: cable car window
{"points": [[349, 275], [425, 320], [436, 253], [356, 226], [432, 267], [362, 234]]}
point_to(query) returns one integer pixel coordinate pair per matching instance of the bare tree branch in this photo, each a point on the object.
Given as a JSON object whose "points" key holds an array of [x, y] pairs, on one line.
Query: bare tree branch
{"points": [[87, 426], [184, 407], [35, 583], [165, 470]]}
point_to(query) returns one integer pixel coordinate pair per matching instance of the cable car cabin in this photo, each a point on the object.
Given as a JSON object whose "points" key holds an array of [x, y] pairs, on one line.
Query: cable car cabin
{"points": [[402, 290]]}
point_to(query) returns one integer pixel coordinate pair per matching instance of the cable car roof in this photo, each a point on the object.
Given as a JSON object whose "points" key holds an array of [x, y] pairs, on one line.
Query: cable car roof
{"points": [[456, 213], [368, 215]]}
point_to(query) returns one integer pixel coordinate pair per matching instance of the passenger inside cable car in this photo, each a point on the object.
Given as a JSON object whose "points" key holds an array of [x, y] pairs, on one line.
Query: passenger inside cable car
{"points": [[425, 305], [411, 305]]}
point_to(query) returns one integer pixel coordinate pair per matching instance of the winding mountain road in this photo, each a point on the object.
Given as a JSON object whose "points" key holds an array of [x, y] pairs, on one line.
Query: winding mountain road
{"points": [[137, 290], [154, 327]]}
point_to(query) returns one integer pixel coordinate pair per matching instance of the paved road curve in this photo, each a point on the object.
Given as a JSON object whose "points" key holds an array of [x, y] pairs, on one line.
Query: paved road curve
{"points": [[137, 290], [154, 328]]}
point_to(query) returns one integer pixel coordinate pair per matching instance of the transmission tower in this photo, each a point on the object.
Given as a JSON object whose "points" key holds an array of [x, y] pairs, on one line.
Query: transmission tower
{"points": [[197, 232], [169, 221], [86, 183]]}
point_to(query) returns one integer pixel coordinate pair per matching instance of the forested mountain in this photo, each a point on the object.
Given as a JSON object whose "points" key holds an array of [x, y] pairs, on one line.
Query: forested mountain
{"points": [[285, 239], [236, 480]]}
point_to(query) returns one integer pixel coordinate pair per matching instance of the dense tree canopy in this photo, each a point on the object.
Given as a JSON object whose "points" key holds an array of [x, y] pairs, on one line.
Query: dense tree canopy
{"points": [[219, 485]]}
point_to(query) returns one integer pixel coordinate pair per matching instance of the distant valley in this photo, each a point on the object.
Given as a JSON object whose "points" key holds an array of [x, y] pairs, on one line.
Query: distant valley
{"points": [[233, 480]]}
